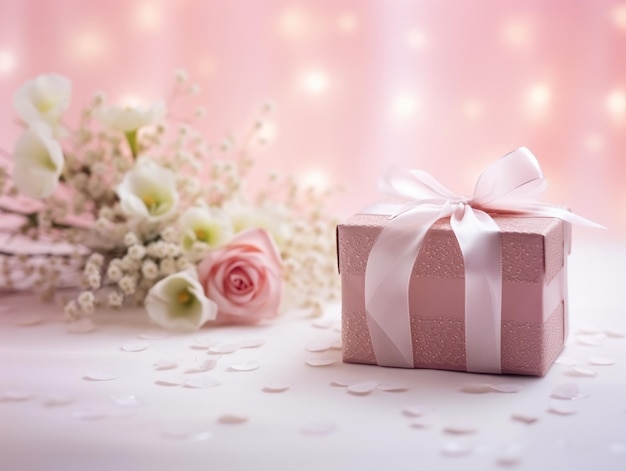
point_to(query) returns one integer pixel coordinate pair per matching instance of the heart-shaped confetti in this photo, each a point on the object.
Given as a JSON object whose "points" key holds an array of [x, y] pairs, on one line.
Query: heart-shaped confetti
{"points": [[323, 323], [510, 456], [415, 411], [566, 361]]}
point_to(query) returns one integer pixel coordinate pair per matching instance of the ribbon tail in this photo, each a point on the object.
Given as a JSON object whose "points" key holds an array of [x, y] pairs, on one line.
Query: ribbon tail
{"points": [[479, 239], [387, 279]]}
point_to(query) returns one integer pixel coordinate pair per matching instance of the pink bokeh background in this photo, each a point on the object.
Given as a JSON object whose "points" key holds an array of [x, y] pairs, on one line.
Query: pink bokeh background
{"points": [[447, 86]]}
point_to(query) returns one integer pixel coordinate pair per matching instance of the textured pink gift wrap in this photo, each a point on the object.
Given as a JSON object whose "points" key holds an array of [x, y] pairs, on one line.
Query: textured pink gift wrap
{"points": [[534, 293]]}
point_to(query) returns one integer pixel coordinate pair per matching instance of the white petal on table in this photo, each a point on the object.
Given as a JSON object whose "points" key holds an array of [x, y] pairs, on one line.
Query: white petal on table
{"points": [[617, 334], [201, 382], [233, 419], [128, 400], [134, 347], [363, 388], [16, 395], [223, 348], [249, 365], [169, 382], [203, 366], [343, 382], [202, 343], [595, 340], [321, 361], [422, 422], [460, 429], [251, 343], [568, 391], [582, 371], [416, 411], [566, 361], [477, 388], [186, 435], [276, 387], [164, 364], [393, 387], [320, 346], [524, 417], [57, 400], [100, 375], [507, 387], [561, 408], [601, 360]]}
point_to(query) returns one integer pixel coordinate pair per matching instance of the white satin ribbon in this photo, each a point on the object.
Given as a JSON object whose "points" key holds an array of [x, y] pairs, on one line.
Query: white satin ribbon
{"points": [[508, 185]]}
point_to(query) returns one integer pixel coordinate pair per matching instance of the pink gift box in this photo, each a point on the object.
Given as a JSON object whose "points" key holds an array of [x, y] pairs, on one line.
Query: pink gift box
{"points": [[534, 293]]}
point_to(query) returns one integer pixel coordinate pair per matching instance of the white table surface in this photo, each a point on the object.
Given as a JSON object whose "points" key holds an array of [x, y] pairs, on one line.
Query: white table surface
{"points": [[313, 424]]}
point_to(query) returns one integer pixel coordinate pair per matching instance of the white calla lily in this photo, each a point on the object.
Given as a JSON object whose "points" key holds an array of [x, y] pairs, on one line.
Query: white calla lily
{"points": [[246, 216], [38, 162], [44, 98], [203, 229], [131, 118], [178, 302], [148, 192]]}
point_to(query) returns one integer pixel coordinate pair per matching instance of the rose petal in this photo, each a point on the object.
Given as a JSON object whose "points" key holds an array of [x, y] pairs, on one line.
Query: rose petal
{"points": [[319, 347], [567, 391], [561, 408], [201, 382], [415, 411], [477, 388], [618, 334], [361, 389], [343, 382], [100, 375], [525, 418], [168, 382], [251, 343], [164, 364], [135, 347], [224, 348], [233, 419], [321, 361], [507, 387], [247, 366], [276, 387], [203, 366], [581, 371], [601, 360]]}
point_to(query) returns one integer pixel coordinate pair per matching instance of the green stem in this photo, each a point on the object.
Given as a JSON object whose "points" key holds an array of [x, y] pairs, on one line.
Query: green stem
{"points": [[131, 137]]}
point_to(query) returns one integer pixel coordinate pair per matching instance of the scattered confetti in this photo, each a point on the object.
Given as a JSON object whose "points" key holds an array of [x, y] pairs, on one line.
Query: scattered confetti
{"points": [[601, 360], [477, 388], [581, 371], [168, 382], [164, 364], [456, 449], [567, 391], [16, 395], [251, 343], [525, 418], [81, 326], [129, 400], [321, 361], [203, 366], [276, 387], [28, 321], [390, 387], [459, 429], [233, 419], [561, 408], [157, 335], [224, 348], [100, 375], [507, 387], [201, 382], [361, 389], [566, 361], [342, 382], [134, 347], [202, 343], [184, 435], [250, 365], [318, 429], [57, 400], [318, 347]]}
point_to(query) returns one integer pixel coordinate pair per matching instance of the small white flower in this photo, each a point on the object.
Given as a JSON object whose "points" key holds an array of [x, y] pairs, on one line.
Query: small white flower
{"points": [[204, 228], [149, 270], [127, 284], [115, 299], [94, 280], [182, 264], [38, 162], [43, 99], [148, 192], [91, 268], [114, 273], [178, 302], [136, 251], [71, 310], [157, 249], [128, 264], [86, 300], [167, 267], [130, 239], [169, 234], [128, 118]]}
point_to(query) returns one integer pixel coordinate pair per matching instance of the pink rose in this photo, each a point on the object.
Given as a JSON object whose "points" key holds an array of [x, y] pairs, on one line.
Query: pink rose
{"points": [[244, 278]]}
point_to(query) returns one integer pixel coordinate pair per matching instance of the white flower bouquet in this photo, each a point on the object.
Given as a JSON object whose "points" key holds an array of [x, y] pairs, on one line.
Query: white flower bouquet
{"points": [[156, 216]]}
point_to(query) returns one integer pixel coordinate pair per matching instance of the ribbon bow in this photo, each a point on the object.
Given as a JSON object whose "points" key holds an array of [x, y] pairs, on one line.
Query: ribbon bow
{"points": [[511, 185]]}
